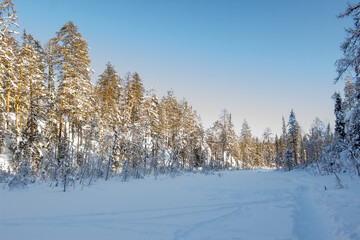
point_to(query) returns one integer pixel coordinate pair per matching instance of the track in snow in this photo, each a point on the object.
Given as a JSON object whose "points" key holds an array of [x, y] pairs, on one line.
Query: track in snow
{"points": [[238, 205]]}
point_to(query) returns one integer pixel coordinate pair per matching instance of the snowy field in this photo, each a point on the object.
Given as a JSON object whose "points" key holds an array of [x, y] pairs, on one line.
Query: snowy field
{"points": [[236, 205]]}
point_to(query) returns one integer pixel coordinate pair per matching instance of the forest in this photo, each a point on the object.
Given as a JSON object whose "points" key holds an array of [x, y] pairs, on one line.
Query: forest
{"points": [[56, 126]]}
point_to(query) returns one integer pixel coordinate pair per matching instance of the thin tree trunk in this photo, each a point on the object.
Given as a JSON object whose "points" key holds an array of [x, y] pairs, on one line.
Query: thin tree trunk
{"points": [[108, 168], [8, 103], [65, 178], [78, 144], [18, 98], [31, 113]]}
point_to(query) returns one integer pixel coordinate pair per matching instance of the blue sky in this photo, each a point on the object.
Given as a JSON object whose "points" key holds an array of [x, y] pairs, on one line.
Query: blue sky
{"points": [[258, 59]]}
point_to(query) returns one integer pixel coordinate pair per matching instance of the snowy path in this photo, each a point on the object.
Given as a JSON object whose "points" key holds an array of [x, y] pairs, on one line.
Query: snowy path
{"points": [[238, 205]]}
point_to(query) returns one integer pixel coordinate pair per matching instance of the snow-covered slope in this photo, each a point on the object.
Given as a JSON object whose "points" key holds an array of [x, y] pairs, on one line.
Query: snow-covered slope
{"points": [[236, 205]]}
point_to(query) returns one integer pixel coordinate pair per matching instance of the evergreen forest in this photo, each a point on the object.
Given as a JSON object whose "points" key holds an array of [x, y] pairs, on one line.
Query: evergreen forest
{"points": [[58, 127]]}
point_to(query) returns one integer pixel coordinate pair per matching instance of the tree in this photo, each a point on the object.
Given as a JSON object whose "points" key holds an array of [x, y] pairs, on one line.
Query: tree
{"points": [[32, 134], [316, 141], [151, 118], [303, 153], [292, 141], [339, 118], [65, 168], [7, 60], [228, 140], [52, 118], [109, 94], [281, 146], [349, 93], [50, 60], [350, 62], [258, 154], [170, 119], [75, 88], [246, 144], [269, 149], [279, 152], [223, 142], [134, 96], [192, 136]]}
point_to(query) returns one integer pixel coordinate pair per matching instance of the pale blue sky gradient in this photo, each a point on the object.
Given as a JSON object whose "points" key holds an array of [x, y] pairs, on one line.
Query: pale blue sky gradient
{"points": [[258, 59]]}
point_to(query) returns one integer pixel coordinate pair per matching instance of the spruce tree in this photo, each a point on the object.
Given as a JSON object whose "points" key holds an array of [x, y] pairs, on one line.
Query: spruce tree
{"points": [[292, 141], [339, 118]]}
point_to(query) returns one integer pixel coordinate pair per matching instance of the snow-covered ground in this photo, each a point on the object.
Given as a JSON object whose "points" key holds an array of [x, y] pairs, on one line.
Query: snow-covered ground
{"points": [[258, 204]]}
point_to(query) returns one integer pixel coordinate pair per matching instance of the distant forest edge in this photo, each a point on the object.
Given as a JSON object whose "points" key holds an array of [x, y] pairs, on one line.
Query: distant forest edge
{"points": [[55, 126]]}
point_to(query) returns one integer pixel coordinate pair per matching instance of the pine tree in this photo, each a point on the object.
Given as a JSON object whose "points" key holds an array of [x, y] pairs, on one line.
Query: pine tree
{"points": [[75, 88], [50, 60], [246, 143], [151, 119], [349, 93], [223, 142], [258, 154], [8, 45], [316, 141], [170, 120], [303, 153], [32, 134], [24, 77], [191, 136], [134, 94], [212, 142], [269, 148], [109, 94], [50, 110], [279, 153], [31, 78]]}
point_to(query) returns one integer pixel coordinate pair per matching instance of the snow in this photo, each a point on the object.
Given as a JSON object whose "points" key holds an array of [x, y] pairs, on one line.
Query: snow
{"points": [[4, 164], [257, 204]]}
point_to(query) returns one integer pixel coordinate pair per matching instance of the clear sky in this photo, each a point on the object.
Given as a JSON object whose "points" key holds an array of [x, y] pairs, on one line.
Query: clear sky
{"points": [[256, 58]]}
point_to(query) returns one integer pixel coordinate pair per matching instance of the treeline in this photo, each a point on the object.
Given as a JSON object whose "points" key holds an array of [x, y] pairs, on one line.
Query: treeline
{"points": [[56, 126]]}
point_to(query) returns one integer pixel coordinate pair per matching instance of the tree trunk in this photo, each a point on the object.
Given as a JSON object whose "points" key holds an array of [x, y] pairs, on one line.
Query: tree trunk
{"points": [[18, 98], [108, 168], [8, 103]]}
